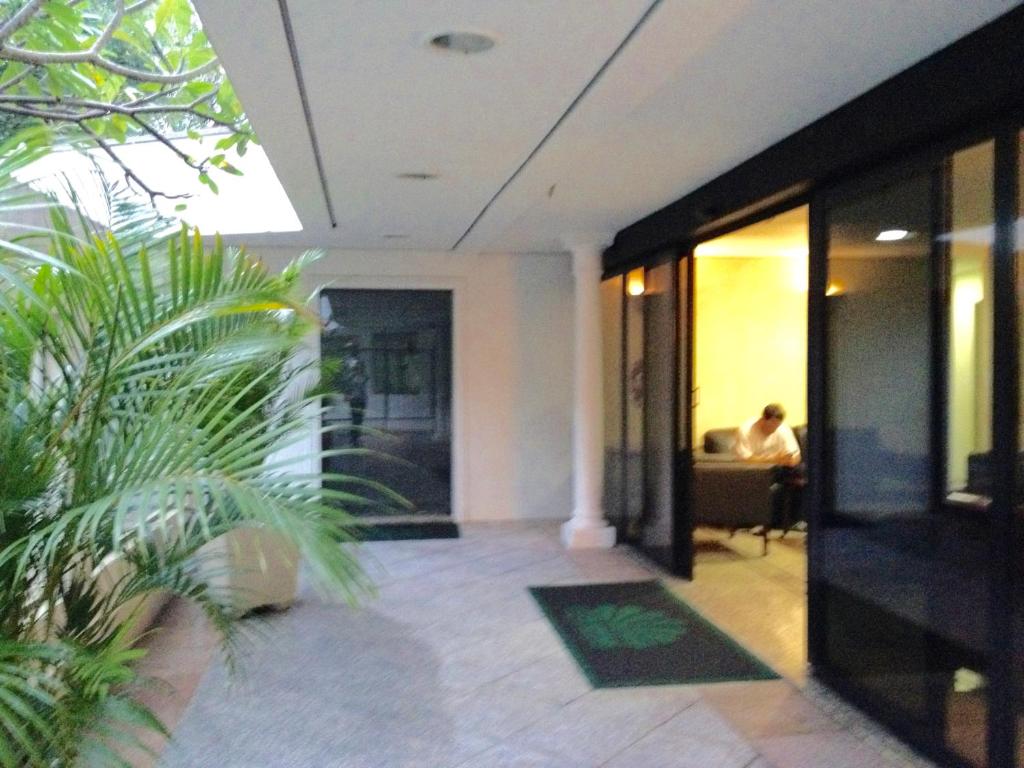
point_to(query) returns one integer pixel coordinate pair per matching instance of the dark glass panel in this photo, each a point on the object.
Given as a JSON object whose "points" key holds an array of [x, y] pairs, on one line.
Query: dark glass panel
{"points": [[659, 379], [387, 356], [634, 405], [611, 334], [904, 562], [1018, 531]]}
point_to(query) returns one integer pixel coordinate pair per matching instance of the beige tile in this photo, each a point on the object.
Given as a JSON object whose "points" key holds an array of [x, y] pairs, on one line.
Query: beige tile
{"points": [[695, 738], [835, 750], [767, 708]]}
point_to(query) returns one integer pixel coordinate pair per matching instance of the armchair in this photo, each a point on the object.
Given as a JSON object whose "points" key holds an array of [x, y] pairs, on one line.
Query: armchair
{"points": [[729, 493], [733, 494]]}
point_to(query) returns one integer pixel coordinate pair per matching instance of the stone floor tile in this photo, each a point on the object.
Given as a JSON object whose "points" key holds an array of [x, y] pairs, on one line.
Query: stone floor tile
{"points": [[595, 727], [695, 738], [766, 708], [507, 756], [815, 750]]}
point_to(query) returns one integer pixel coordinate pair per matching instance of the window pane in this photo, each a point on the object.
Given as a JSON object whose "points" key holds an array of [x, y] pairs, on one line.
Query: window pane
{"points": [[904, 559], [659, 376], [634, 385], [611, 334], [967, 238]]}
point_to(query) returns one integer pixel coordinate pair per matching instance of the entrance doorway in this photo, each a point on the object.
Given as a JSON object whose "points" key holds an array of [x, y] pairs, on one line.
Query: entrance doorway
{"points": [[387, 356], [696, 343], [749, 353]]}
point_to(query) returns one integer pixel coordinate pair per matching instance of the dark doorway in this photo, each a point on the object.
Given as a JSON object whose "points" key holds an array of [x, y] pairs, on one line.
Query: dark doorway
{"points": [[387, 355]]}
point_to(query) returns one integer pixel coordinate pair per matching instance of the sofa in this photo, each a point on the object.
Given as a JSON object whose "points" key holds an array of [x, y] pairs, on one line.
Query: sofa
{"points": [[729, 493]]}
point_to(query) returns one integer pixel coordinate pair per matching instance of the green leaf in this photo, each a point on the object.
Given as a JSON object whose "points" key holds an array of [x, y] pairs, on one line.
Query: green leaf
{"points": [[205, 179], [612, 626], [67, 15]]}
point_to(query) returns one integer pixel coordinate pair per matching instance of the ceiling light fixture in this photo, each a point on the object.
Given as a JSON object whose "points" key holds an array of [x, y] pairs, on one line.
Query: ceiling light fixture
{"points": [[462, 42], [416, 176], [890, 235]]}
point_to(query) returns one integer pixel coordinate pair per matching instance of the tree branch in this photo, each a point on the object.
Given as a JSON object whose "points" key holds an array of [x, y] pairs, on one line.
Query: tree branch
{"points": [[99, 108], [13, 81], [108, 31], [137, 6], [45, 114], [129, 174], [42, 58], [185, 158], [20, 19]]}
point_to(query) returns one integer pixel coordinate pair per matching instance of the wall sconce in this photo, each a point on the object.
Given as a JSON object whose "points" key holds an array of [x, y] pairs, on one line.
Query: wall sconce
{"points": [[635, 282], [835, 288]]}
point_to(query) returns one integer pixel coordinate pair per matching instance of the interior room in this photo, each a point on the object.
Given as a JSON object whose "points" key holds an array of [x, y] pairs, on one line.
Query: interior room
{"points": [[749, 350]]}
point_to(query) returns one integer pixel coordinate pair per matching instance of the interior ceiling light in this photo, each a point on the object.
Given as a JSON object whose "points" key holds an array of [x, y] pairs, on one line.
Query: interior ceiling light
{"points": [[462, 42], [416, 176], [889, 235]]}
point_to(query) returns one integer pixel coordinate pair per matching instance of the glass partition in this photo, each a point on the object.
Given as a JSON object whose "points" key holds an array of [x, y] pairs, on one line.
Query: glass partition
{"points": [[659, 390], [612, 338], [387, 356], [633, 496], [904, 536]]}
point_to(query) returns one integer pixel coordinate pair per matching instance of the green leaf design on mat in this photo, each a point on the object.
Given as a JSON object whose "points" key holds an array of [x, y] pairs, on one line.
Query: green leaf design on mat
{"points": [[612, 626]]}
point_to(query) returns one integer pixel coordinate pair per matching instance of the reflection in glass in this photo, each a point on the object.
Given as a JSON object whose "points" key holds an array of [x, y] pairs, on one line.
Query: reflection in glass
{"points": [[611, 335], [659, 382], [903, 561], [634, 425], [387, 357], [967, 241], [1018, 616]]}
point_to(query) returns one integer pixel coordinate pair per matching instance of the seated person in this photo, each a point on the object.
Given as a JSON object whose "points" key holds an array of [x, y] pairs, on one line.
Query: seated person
{"points": [[767, 440]]}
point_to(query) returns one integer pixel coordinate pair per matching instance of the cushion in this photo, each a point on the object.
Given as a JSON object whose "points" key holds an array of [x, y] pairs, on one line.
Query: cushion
{"points": [[720, 440]]}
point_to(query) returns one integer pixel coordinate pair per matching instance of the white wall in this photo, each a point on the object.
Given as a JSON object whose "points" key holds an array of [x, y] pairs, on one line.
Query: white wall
{"points": [[512, 331]]}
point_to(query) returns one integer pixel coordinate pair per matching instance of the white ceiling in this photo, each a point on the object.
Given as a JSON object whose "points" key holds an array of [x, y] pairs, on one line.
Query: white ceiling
{"points": [[700, 86]]}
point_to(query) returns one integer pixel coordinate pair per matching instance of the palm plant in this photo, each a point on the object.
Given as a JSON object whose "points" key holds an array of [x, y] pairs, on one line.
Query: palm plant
{"points": [[151, 399]]}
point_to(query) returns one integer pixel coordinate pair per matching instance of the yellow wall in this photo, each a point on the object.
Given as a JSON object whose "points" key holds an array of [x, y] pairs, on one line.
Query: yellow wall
{"points": [[750, 334]]}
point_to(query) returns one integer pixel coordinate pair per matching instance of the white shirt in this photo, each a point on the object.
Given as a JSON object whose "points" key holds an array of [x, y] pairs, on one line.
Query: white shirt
{"points": [[752, 443]]}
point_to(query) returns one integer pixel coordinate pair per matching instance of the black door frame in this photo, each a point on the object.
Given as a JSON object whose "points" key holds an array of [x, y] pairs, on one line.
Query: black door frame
{"points": [[1005, 534], [450, 292]]}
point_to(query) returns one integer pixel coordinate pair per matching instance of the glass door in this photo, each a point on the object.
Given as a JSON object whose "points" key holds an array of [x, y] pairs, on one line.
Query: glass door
{"points": [[658, 529], [901, 567], [387, 356], [647, 410]]}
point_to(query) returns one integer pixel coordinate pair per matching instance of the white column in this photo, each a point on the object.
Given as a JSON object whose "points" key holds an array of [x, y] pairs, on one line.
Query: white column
{"points": [[588, 527]]}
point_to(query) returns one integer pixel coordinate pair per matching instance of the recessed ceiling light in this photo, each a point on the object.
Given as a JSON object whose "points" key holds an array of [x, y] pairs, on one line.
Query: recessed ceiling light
{"points": [[888, 235], [462, 42], [416, 176]]}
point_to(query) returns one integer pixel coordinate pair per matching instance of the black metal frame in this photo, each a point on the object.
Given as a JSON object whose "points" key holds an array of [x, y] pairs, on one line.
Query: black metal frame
{"points": [[977, 79], [683, 519], [1003, 709]]}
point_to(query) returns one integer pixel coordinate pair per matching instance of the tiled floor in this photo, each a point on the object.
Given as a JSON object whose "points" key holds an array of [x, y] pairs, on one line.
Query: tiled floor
{"points": [[454, 666]]}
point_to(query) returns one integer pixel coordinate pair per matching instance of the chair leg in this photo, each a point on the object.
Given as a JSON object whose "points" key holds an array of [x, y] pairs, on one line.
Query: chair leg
{"points": [[764, 546]]}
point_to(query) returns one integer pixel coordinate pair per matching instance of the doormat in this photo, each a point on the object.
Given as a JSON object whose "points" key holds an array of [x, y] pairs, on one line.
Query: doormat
{"points": [[639, 633], [406, 531]]}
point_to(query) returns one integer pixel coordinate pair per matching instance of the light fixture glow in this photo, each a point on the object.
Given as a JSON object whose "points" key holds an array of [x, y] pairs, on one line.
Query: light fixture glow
{"points": [[835, 288], [890, 235], [635, 282]]}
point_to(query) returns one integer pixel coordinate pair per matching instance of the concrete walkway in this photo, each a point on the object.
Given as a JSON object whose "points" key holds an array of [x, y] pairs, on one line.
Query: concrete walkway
{"points": [[453, 666]]}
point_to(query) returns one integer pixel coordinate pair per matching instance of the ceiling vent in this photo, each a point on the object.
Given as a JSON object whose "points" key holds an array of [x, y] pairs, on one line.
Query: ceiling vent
{"points": [[462, 42]]}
